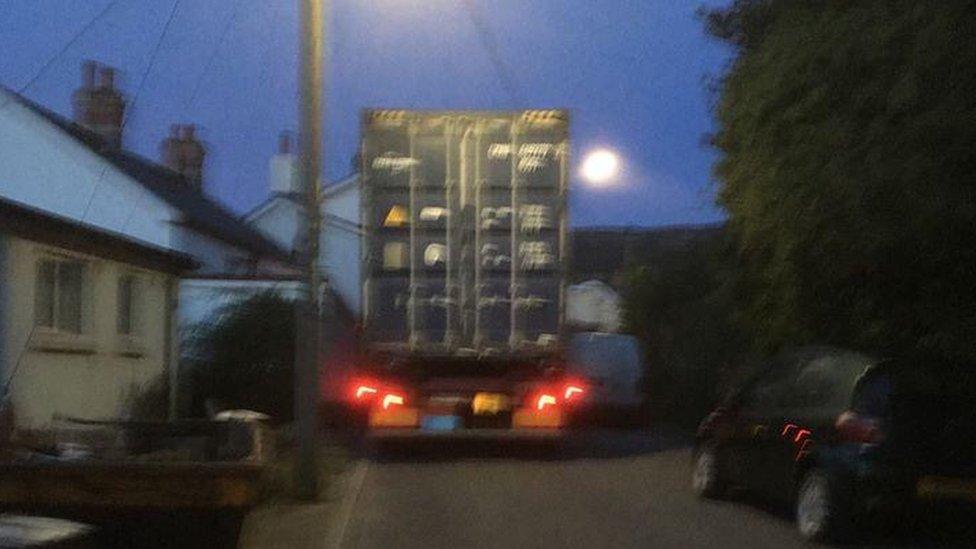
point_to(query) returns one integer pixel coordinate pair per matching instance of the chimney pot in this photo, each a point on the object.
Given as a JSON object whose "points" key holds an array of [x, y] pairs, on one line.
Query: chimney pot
{"points": [[88, 69], [284, 143], [184, 154], [107, 78], [99, 107], [283, 169]]}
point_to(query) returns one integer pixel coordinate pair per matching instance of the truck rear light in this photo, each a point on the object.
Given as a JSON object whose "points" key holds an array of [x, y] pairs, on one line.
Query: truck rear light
{"points": [[572, 392], [856, 428], [365, 391], [544, 400], [391, 399]]}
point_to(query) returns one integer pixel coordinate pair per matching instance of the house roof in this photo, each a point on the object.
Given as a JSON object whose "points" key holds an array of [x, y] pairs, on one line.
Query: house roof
{"points": [[40, 226], [298, 198], [200, 213]]}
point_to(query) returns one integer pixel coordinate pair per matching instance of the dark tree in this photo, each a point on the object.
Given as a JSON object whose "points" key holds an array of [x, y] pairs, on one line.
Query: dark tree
{"points": [[847, 133], [245, 357]]}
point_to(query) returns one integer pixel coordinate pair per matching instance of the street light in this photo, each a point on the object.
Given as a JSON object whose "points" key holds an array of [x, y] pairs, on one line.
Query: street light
{"points": [[600, 167]]}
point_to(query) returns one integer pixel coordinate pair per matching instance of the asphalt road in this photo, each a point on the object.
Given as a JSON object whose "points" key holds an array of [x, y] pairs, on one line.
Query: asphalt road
{"points": [[608, 489]]}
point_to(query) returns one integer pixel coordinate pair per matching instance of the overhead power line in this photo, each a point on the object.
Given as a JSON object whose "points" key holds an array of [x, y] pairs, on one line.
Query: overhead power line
{"points": [[152, 62], [213, 54], [135, 98], [67, 46], [490, 45], [84, 30]]}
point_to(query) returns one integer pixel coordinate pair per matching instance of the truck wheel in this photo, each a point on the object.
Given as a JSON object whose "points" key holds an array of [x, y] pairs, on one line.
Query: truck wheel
{"points": [[706, 475], [821, 510]]}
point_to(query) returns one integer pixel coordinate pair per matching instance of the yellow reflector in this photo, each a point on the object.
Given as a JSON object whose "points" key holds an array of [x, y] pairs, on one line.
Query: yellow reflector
{"points": [[532, 418], [490, 403], [397, 217], [396, 416]]}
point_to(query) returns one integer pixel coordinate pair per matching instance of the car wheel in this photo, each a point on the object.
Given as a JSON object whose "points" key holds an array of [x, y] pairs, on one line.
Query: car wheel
{"points": [[821, 512], [706, 478]]}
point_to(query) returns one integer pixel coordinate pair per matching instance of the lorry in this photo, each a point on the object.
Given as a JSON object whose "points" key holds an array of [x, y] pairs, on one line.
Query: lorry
{"points": [[464, 217]]}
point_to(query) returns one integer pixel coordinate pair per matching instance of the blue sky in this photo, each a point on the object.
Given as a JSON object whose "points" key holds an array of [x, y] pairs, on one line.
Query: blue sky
{"points": [[633, 72]]}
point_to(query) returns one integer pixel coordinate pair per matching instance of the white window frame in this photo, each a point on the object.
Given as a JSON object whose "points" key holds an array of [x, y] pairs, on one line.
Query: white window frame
{"points": [[51, 337], [133, 326], [56, 324]]}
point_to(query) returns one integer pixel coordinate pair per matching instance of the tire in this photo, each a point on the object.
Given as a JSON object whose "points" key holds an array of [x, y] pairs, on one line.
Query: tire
{"points": [[706, 477], [822, 510]]}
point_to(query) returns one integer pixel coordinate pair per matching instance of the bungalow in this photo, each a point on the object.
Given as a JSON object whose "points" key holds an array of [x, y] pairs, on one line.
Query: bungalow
{"points": [[87, 316], [74, 174]]}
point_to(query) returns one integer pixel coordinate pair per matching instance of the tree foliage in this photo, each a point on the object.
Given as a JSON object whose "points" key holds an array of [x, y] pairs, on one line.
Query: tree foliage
{"points": [[245, 357], [847, 133], [681, 309]]}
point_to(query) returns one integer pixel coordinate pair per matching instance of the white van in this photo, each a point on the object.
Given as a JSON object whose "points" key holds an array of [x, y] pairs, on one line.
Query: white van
{"points": [[615, 367]]}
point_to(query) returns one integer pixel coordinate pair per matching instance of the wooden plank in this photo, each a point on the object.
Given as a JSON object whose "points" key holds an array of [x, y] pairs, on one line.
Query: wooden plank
{"points": [[131, 485]]}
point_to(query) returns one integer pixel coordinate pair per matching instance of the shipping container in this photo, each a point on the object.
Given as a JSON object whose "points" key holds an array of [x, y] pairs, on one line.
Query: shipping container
{"points": [[465, 227], [464, 254]]}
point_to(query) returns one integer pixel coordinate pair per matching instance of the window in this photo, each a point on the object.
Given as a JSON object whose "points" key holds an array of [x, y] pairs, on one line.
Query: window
{"points": [[126, 305], [873, 396], [768, 390], [814, 386], [58, 297]]}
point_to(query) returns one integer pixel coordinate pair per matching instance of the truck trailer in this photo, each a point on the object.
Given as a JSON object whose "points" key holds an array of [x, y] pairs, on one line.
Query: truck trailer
{"points": [[464, 217]]}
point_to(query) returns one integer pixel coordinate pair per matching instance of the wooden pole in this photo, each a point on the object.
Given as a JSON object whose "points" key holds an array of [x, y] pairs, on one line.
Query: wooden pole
{"points": [[307, 355]]}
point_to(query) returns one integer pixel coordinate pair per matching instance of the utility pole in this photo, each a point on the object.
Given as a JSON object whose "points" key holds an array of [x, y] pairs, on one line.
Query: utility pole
{"points": [[308, 347]]}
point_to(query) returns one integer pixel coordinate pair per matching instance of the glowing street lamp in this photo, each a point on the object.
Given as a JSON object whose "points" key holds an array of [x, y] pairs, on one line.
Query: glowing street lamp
{"points": [[600, 167]]}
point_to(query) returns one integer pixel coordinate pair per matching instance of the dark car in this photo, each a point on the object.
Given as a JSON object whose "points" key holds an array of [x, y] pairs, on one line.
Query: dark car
{"points": [[841, 436]]}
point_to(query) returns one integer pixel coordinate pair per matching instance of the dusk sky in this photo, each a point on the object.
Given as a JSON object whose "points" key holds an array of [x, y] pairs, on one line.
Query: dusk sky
{"points": [[634, 73]]}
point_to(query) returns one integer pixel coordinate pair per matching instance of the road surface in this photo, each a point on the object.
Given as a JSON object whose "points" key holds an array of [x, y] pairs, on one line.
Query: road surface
{"points": [[610, 489]]}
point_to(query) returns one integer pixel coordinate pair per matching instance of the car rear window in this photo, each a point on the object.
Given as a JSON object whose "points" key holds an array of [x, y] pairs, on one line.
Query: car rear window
{"points": [[827, 382], [873, 396]]}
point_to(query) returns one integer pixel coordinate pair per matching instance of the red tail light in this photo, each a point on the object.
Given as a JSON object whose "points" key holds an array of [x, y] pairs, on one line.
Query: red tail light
{"points": [[544, 400], [853, 427], [392, 399], [573, 392], [365, 391]]}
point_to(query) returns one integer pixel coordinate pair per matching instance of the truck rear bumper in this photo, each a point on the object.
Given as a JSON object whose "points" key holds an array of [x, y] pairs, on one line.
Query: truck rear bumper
{"points": [[527, 435]]}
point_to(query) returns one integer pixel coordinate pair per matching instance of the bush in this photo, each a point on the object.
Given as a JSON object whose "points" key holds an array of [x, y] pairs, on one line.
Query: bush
{"points": [[244, 358], [682, 311], [149, 401], [847, 169]]}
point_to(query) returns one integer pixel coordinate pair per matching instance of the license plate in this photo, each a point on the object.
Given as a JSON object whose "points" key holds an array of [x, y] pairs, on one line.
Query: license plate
{"points": [[440, 423], [946, 488], [490, 403]]}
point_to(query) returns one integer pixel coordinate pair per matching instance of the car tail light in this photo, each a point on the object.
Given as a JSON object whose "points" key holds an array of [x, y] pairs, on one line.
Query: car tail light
{"points": [[853, 427]]}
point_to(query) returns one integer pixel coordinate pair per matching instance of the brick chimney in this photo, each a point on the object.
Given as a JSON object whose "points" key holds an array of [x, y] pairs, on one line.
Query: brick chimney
{"points": [[283, 171], [98, 106], [183, 153]]}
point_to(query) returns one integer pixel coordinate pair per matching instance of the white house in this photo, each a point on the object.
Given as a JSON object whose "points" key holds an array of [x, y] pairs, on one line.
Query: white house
{"points": [[280, 216], [75, 170], [87, 317], [593, 305]]}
